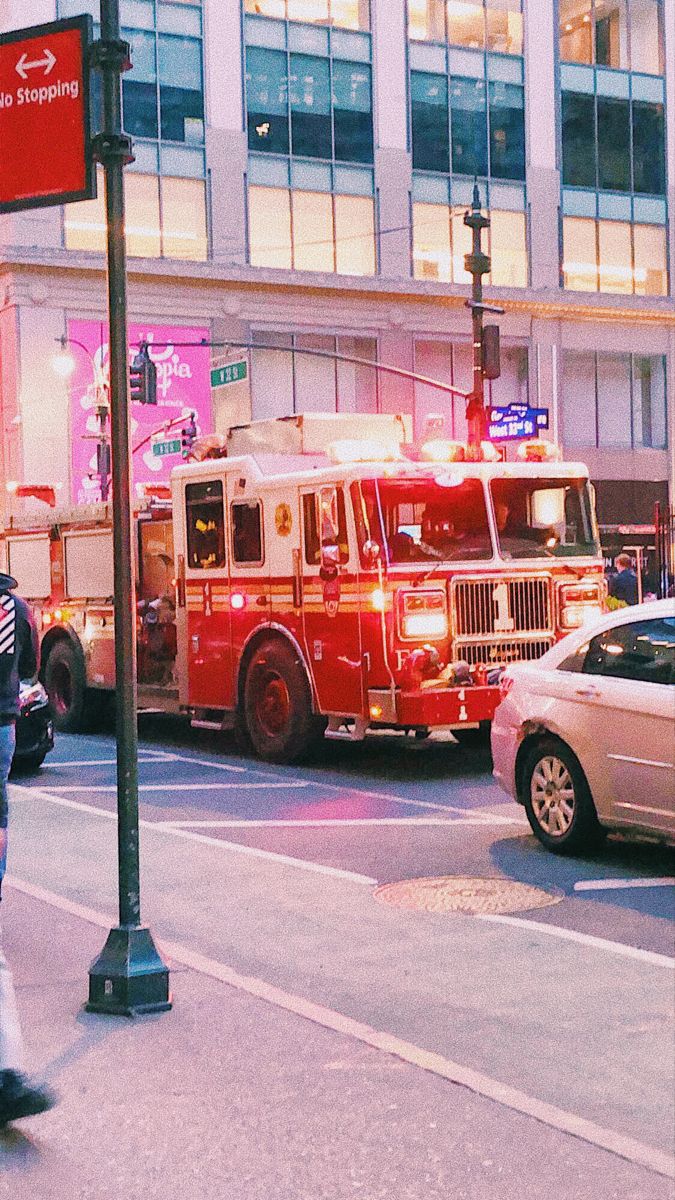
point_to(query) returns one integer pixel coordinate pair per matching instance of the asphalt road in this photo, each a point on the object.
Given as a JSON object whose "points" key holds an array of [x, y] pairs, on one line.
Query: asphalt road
{"points": [[564, 1012]]}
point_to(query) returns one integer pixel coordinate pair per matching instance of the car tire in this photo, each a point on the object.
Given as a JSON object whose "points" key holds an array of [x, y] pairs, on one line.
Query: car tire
{"points": [[558, 800], [278, 715], [29, 764], [66, 685]]}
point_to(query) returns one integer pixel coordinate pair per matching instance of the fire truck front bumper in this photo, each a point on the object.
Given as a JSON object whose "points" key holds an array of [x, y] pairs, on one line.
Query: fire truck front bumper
{"points": [[436, 707]]}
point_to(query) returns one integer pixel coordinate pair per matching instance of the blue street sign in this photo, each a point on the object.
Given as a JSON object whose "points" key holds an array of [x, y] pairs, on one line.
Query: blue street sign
{"points": [[516, 421]]}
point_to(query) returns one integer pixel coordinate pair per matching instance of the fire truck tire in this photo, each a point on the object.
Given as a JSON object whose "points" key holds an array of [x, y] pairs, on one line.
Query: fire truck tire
{"points": [[473, 737], [278, 716], [66, 685]]}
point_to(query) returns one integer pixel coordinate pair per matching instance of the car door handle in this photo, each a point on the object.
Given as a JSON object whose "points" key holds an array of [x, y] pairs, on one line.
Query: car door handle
{"points": [[588, 692]]}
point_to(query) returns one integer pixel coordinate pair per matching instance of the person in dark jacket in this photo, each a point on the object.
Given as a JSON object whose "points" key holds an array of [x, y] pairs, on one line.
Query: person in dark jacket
{"points": [[19, 657], [624, 585]]}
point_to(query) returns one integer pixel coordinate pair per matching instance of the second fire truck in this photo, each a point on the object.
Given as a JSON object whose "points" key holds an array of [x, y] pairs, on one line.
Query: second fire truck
{"points": [[313, 576]]}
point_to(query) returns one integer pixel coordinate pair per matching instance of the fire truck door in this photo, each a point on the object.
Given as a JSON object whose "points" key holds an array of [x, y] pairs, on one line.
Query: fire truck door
{"points": [[331, 615], [207, 632]]}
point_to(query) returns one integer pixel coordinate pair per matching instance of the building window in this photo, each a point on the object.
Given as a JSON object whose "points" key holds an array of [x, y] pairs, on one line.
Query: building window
{"points": [[453, 364], [441, 240], [614, 401], [311, 107], [614, 256], [163, 110], [341, 14], [623, 34], [493, 25], [286, 381], [467, 126], [311, 216], [165, 217], [613, 144]]}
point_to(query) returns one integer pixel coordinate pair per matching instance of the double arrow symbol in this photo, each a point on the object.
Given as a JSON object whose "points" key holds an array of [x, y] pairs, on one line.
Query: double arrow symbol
{"points": [[23, 66]]}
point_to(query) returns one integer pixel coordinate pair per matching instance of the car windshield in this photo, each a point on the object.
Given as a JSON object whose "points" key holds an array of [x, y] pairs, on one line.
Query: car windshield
{"points": [[544, 518], [431, 519]]}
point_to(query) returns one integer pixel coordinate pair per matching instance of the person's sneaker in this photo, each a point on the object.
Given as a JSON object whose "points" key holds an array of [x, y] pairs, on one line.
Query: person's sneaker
{"points": [[21, 1098]]}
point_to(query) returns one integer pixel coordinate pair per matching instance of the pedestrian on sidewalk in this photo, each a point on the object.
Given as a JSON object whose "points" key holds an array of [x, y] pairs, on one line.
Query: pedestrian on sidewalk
{"points": [[19, 657], [624, 585]]}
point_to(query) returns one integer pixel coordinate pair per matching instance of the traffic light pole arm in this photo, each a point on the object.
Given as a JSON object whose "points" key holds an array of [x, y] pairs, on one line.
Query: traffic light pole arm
{"points": [[162, 429], [374, 365]]}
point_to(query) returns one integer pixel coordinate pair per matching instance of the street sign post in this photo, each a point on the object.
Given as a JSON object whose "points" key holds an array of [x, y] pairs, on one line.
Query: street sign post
{"points": [[233, 372], [45, 135]]}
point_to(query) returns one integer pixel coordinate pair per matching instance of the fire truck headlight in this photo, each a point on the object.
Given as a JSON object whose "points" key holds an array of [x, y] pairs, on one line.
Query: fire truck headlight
{"points": [[424, 616], [579, 604], [378, 600]]}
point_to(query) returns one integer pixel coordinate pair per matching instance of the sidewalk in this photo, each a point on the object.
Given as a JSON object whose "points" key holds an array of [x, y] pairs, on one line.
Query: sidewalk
{"points": [[230, 1098]]}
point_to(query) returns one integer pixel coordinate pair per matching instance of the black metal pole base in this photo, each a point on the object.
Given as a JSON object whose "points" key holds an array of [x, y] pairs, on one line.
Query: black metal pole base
{"points": [[129, 978]]}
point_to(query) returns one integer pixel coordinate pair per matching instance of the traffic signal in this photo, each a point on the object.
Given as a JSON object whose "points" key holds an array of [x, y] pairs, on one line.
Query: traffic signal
{"points": [[491, 356], [143, 378], [188, 436]]}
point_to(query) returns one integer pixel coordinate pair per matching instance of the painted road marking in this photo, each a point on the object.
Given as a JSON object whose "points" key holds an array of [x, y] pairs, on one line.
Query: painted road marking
{"points": [[321, 822], [608, 885], [584, 939], [334, 787], [235, 847], [105, 762], [648, 956], [436, 1064], [181, 787]]}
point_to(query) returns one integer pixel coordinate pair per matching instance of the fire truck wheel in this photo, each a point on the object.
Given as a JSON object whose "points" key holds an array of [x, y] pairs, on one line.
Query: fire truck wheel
{"points": [[278, 704], [473, 737], [65, 682]]}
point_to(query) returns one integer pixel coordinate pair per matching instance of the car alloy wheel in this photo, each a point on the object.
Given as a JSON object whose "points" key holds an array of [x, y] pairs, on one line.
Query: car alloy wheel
{"points": [[553, 796]]}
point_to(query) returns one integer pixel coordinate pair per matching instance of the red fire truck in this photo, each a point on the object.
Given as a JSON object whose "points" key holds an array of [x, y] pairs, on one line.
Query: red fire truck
{"points": [[314, 575]]}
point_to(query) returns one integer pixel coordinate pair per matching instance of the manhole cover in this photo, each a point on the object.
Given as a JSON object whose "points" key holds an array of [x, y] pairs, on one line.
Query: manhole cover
{"points": [[462, 894]]}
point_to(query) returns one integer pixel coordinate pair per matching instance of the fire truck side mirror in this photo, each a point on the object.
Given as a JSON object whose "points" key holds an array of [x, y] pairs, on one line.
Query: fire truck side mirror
{"points": [[330, 561], [371, 553]]}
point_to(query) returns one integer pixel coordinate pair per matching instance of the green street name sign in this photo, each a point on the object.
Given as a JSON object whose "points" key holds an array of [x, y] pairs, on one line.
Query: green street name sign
{"points": [[232, 372], [160, 449]]}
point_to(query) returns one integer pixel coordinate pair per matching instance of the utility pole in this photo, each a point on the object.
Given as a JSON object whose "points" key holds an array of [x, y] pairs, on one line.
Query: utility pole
{"points": [[128, 977], [477, 264]]}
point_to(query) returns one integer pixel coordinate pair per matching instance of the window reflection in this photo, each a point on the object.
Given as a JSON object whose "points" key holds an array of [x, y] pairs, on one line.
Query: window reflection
{"points": [[311, 231], [441, 240], [621, 34], [629, 258], [496, 25], [615, 257], [344, 14], [180, 233], [580, 255]]}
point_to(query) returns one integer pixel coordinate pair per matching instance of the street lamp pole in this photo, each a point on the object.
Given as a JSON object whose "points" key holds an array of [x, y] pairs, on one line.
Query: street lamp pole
{"points": [[102, 411], [477, 265], [129, 977]]}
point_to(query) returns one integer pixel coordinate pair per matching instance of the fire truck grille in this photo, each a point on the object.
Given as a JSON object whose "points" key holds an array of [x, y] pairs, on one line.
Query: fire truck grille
{"points": [[497, 608], [496, 653]]}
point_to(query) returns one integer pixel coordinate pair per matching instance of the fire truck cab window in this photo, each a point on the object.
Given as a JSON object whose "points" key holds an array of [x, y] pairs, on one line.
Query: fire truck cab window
{"points": [[325, 524], [544, 518], [437, 519], [247, 532], [205, 523]]}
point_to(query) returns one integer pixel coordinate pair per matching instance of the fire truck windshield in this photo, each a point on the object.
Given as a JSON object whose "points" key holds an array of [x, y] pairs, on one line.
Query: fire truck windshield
{"points": [[427, 520], [544, 518]]}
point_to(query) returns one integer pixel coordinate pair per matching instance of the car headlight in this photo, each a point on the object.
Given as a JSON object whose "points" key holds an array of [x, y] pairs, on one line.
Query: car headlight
{"points": [[424, 616]]}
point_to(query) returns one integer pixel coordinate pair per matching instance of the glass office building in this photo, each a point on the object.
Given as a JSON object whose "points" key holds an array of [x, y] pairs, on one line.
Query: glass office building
{"points": [[302, 169]]}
